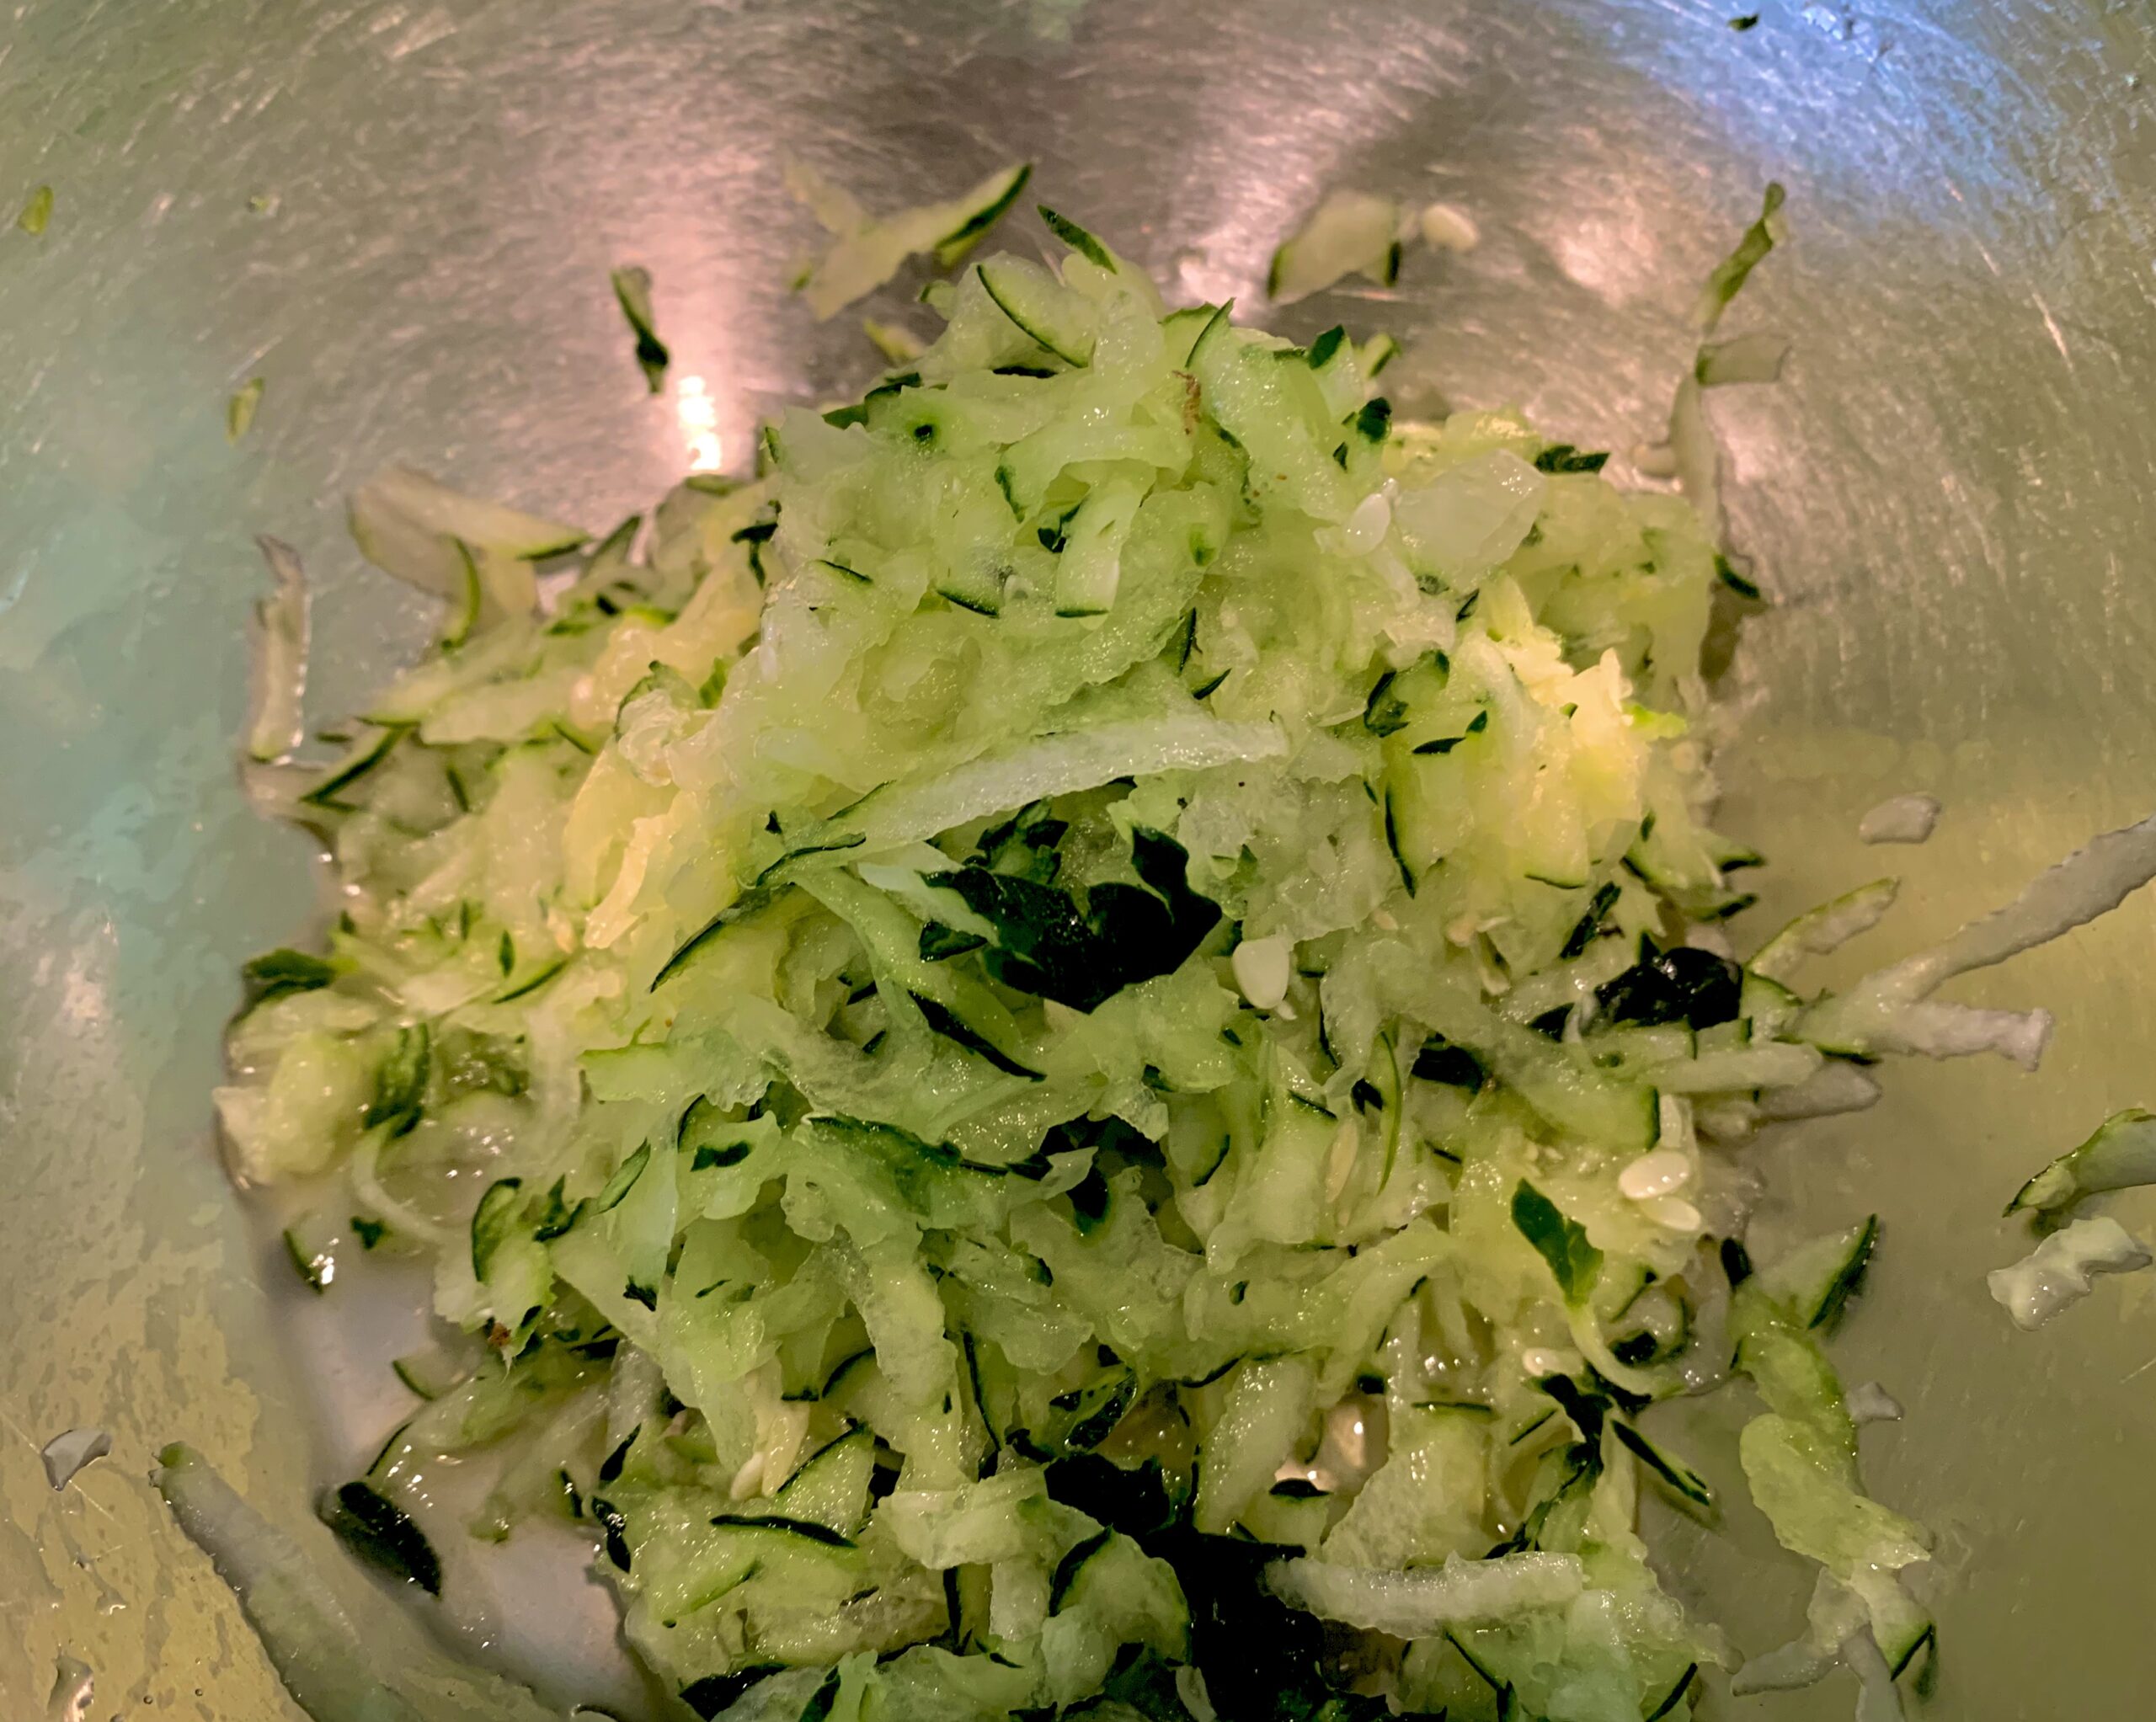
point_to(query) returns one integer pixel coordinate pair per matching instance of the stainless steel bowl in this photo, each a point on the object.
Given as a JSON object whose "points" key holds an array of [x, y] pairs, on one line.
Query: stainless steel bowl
{"points": [[400, 214]]}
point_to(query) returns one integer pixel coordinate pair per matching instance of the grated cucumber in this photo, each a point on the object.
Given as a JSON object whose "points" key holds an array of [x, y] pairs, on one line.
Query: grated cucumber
{"points": [[1071, 1034]]}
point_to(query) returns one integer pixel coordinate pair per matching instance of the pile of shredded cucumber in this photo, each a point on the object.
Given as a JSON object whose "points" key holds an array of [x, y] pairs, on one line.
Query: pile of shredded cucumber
{"points": [[1077, 1055]]}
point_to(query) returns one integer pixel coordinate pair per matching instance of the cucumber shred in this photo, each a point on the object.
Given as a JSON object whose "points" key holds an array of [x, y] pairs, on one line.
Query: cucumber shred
{"points": [[867, 251], [1350, 233], [419, 530], [1059, 1052], [1816, 1281], [2119, 1156], [632, 293], [1059, 320], [2059, 1272]]}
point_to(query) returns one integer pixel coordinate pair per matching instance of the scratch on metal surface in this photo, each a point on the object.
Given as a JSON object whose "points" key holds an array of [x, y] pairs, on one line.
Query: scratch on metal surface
{"points": [[424, 33], [2051, 323], [2120, 351], [2114, 594]]}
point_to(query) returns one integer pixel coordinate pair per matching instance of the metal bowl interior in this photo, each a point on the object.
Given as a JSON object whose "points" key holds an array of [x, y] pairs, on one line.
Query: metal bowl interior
{"points": [[401, 217]]}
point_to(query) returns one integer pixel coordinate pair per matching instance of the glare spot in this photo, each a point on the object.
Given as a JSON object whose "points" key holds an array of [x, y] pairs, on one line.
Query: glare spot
{"points": [[699, 418]]}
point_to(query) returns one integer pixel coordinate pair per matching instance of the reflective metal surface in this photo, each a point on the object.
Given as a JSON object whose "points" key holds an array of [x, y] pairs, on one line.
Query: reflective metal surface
{"points": [[400, 214]]}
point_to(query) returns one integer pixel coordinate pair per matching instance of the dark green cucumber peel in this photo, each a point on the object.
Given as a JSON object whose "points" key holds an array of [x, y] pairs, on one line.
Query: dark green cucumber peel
{"points": [[382, 1533]]}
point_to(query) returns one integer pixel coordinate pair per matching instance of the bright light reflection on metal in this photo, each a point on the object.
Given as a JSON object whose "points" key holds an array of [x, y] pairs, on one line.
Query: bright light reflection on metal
{"points": [[699, 417]]}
